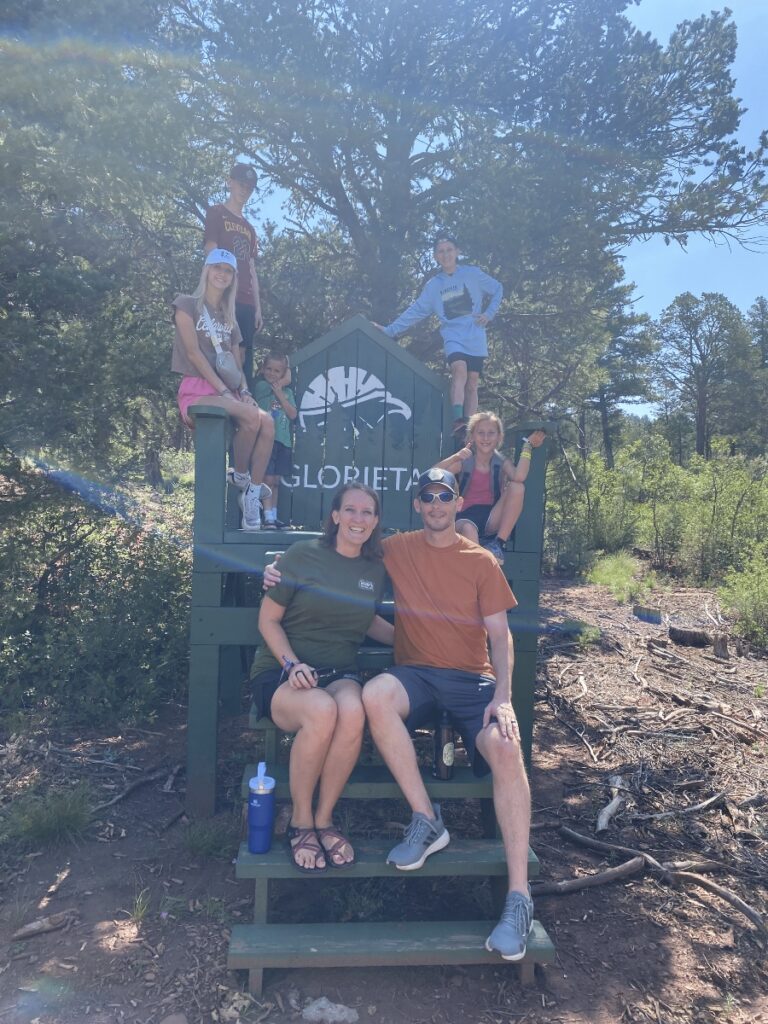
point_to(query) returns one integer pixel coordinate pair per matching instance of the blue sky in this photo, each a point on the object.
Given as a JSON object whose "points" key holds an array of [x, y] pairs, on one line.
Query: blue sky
{"points": [[661, 272]]}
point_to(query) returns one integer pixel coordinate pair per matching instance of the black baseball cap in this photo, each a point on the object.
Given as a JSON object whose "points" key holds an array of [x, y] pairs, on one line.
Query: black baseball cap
{"points": [[441, 477], [244, 173]]}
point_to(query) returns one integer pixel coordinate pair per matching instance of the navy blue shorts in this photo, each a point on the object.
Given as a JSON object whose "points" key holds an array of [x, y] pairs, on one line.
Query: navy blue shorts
{"points": [[477, 514], [463, 695], [280, 461], [266, 683], [474, 363]]}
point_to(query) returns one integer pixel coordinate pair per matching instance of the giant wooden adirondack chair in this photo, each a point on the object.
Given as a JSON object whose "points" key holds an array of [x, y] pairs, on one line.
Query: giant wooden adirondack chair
{"points": [[366, 410]]}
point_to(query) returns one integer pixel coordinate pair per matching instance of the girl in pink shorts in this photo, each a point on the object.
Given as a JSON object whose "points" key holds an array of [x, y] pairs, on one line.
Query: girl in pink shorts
{"points": [[206, 352]]}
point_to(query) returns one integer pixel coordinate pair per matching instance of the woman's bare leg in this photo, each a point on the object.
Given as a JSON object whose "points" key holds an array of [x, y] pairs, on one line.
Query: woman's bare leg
{"points": [[343, 752], [311, 715]]}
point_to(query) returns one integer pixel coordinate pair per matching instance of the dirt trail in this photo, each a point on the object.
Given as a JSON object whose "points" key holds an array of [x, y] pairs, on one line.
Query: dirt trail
{"points": [[152, 909]]}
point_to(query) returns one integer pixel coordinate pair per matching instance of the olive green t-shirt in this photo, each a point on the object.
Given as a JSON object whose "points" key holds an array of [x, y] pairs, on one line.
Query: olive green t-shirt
{"points": [[330, 602]]}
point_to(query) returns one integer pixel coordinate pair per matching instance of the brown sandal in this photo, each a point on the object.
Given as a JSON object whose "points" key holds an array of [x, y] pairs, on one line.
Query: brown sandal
{"points": [[335, 847], [307, 839]]}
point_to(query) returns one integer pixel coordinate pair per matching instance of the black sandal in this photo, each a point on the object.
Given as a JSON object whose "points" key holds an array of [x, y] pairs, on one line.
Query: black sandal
{"points": [[307, 840]]}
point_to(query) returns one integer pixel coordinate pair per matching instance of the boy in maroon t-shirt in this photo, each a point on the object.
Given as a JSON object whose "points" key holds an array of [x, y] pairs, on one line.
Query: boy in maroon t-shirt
{"points": [[226, 228]]}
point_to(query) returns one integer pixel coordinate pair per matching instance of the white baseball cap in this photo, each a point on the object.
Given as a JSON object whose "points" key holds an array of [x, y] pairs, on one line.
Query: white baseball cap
{"points": [[221, 256]]}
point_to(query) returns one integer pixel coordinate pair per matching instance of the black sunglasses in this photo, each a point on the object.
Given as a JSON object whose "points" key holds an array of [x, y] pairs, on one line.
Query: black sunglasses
{"points": [[429, 496]]}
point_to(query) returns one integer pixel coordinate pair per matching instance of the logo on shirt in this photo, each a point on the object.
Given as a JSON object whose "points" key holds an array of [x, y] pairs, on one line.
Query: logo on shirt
{"points": [[456, 301], [366, 585], [223, 331]]}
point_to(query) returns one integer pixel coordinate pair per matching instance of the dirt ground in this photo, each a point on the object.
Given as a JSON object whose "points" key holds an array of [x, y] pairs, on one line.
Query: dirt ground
{"points": [[149, 896]]}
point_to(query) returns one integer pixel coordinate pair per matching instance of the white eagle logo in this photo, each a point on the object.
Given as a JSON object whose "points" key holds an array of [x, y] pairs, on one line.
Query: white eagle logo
{"points": [[350, 388]]}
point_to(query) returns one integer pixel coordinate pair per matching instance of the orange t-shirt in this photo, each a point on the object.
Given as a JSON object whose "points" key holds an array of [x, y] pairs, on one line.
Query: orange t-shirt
{"points": [[442, 596]]}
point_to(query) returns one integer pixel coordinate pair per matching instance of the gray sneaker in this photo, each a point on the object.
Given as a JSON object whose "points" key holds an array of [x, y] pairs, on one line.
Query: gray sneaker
{"points": [[510, 935], [249, 501], [422, 837]]}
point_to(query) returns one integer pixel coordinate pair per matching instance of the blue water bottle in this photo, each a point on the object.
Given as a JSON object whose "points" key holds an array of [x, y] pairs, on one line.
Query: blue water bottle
{"points": [[261, 810]]}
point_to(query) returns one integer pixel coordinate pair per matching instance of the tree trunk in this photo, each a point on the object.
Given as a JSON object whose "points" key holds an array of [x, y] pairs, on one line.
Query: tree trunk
{"points": [[606, 427]]}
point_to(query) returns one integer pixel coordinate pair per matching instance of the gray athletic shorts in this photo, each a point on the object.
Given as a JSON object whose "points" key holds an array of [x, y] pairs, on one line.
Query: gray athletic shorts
{"points": [[463, 695]]}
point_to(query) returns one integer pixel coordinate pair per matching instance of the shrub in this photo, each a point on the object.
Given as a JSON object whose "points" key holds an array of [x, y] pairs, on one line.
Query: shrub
{"points": [[621, 573], [95, 627], [745, 596]]}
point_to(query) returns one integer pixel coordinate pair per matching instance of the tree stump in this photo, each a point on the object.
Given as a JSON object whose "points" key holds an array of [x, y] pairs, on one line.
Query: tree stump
{"points": [[721, 646]]}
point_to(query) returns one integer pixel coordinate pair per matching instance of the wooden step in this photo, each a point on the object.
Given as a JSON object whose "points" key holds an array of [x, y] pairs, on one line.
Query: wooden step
{"points": [[373, 944], [460, 857], [374, 782]]}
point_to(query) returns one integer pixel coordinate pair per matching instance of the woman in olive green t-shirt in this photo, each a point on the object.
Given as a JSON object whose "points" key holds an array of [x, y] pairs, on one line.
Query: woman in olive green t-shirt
{"points": [[313, 623]]}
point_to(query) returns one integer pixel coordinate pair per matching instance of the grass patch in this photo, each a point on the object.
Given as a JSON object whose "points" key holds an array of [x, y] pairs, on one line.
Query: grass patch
{"points": [[622, 573], [47, 820], [213, 838], [583, 634], [140, 907]]}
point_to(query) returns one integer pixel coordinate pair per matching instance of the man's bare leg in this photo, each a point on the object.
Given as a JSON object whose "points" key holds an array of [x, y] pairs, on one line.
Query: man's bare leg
{"points": [[512, 803], [386, 707]]}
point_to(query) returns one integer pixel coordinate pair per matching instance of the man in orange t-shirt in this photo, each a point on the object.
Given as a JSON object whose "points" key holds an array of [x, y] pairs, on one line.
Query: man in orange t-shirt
{"points": [[451, 602]]}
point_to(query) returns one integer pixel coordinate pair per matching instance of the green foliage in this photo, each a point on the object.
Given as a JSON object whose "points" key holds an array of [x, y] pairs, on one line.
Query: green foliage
{"points": [[95, 625], [36, 820], [698, 522], [745, 596], [622, 574]]}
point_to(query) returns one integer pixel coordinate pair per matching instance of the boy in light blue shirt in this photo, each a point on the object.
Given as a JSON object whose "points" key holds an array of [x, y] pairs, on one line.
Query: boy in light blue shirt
{"points": [[465, 299]]}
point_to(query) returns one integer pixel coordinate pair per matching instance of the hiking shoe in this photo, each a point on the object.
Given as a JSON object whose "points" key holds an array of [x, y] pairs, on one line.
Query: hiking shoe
{"points": [[422, 837], [497, 548], [510, 935], [249, 501]]}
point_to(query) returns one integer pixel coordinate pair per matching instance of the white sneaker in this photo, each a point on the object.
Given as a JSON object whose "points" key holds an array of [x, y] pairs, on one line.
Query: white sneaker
{"points": [[249, 501]]}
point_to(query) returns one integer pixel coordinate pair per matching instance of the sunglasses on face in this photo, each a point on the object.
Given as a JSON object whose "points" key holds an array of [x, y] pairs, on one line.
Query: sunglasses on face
{"points": [[429, 496]]}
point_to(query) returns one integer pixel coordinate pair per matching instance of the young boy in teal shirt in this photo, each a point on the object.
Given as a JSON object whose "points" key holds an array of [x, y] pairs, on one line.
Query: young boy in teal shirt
{"points": [[273, 395]]}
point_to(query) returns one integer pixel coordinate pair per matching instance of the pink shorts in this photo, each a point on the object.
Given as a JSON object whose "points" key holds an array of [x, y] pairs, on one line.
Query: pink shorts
{"points": [[191, 391]]}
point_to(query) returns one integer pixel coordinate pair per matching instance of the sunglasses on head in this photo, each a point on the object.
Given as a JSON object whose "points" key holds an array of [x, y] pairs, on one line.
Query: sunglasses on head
{"points": [[429, 496]]}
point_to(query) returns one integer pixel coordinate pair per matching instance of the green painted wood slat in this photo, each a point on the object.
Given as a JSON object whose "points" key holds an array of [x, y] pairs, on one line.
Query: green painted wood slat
{"points": [[250, 552], [373, 944], [373, 782], [470, 857]]}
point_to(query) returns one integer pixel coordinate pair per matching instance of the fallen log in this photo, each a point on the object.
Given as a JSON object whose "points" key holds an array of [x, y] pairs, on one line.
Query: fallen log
{"points": [[690, 637], [629, 867], [668, 871], [617, 785], [725, 894], [51, 923], [128, 789], [705, 805]]}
